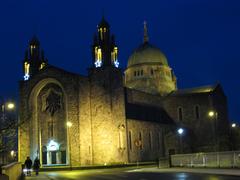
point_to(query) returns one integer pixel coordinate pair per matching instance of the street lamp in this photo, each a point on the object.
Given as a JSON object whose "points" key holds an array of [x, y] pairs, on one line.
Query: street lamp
{"points": [[180, 132], [234, 125], [10, 105], [214, 115], [69, 125]]}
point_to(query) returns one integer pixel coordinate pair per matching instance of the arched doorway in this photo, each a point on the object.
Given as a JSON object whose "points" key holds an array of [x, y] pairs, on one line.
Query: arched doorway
{"points": [[48, 107]]}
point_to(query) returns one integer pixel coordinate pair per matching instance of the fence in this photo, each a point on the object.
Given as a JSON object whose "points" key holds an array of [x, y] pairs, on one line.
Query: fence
{"points": [[228, 159]]}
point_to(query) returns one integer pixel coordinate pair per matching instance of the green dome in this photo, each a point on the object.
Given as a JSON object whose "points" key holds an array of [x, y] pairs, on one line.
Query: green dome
{"points": [[147, 54]]}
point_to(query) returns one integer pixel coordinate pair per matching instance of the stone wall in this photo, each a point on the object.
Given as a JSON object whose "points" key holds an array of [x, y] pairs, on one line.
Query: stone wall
{"points": [[108, 116], [85, 123], [139, 97], [152, 140], [13, 171], [199, 128]]}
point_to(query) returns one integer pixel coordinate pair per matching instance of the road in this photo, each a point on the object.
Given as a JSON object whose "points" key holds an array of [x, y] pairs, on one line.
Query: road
{"points": [[130, 173]]}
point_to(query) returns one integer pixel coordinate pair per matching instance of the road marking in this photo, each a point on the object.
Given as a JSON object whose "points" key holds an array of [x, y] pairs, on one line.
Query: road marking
{"points": [[134, 170]]}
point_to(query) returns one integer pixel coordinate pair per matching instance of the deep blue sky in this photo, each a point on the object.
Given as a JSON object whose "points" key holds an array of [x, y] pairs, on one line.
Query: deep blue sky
{"points": [[201, 38]]}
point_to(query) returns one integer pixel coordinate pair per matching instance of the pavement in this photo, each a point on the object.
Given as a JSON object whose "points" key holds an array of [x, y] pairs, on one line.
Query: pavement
{"points": [[55, 175], [219, 171]]}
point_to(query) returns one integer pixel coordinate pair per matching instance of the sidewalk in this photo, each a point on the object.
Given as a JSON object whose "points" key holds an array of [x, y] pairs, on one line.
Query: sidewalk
{"points": [[230, 172], [41, 176]]}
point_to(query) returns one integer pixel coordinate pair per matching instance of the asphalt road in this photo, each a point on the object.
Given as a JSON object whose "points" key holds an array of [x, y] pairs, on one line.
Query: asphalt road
{"points": [[133, 174]]}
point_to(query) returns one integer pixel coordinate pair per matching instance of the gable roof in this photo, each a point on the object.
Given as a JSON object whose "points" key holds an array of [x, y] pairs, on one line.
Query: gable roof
{"points": [[148, 113], [196, 90]]}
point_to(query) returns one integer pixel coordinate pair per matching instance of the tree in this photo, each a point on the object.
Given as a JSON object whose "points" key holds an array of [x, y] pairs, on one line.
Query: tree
{"points": [[8, 133]]}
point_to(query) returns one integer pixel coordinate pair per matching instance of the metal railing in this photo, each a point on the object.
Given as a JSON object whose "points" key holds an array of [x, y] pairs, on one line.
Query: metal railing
{"points": [[228, 159]]}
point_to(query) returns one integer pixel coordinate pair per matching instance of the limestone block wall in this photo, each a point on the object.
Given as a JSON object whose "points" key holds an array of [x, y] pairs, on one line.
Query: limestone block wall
{"points": [[108, 116], [23, 130], [85, 123], [135, 96], [202, 127], [152, 139]]}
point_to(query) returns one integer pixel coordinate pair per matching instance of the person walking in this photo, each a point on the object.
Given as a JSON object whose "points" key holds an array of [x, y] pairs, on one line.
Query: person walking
{"points": [[28, 165], [36, 165]]}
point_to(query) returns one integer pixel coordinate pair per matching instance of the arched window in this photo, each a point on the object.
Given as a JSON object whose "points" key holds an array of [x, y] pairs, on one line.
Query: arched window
{"points": [[197, 112], [180, 113], [152, 71], [140, 139], [138, 73], [150, 140], [130, 139]]}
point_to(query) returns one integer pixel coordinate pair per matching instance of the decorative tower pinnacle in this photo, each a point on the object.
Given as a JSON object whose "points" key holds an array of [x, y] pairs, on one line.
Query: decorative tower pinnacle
{"points": [[145, 37], [34, 59], [104, 50]]}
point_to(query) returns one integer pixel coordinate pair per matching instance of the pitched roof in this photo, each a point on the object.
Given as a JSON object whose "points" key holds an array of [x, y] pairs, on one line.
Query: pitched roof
{"points": [[196, 90], [148, 113]]}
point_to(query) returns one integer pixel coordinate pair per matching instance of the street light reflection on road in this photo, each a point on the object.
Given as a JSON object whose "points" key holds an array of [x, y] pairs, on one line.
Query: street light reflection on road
{"points": [[181, 176]]}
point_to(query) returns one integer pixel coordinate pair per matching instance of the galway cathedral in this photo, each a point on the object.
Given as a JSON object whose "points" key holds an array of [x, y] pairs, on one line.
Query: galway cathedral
{"points": [[111, 117]]}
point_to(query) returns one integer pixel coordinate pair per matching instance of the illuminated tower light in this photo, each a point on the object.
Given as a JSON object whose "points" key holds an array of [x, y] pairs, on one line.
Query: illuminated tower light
{"points": [[98, 63], [26, 77], [116, 63]]}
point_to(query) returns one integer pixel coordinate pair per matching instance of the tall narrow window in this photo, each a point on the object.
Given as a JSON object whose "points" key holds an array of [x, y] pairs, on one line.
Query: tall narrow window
{"points": [[120, 139], [130, 139], [159, 140], [150, 140], [151, 71], [140, 139], [135, 73], [197, 114], [141, 72], [50, 129], [180, 114]]}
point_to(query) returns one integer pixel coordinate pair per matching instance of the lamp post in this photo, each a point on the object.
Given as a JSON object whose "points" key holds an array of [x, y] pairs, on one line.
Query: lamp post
{"points": [[232, 135], [214, 116], [180, 132], [4, 106], [69, 125]]}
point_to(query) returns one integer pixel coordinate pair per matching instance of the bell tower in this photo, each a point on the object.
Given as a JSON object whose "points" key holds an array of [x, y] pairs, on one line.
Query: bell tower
{"points": [[34, 59], [104, 49], [107, 99]]}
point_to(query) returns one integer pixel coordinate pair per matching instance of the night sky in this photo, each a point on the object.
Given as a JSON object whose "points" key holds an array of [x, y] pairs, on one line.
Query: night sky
{"points": [[201, 38]]}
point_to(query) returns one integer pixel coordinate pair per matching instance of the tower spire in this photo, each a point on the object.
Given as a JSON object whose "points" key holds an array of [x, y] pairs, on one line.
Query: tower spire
{"points": [[145, 37]]}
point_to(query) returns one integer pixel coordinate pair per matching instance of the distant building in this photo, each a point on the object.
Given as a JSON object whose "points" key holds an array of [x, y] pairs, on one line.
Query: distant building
{"points": [[114, 118]]}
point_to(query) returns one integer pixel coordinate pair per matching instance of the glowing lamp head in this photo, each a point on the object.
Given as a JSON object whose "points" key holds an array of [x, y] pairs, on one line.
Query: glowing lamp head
{"points": [[180, 131], [233, 125], [211, 113], [69, 124], [12, 153], [10, 105]]}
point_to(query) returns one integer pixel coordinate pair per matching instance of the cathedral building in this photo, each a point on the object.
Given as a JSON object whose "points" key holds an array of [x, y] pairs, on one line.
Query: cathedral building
{"points": [[107, 117]]}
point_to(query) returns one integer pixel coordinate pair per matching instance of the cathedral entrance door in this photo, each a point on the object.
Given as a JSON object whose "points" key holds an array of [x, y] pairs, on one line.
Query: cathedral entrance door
{"points": [[44, 157], [54, 157]]}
